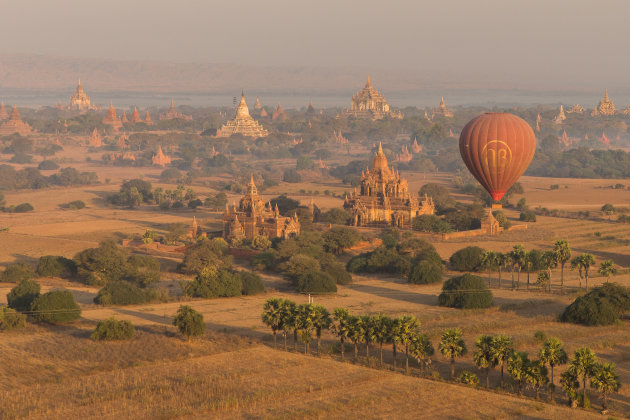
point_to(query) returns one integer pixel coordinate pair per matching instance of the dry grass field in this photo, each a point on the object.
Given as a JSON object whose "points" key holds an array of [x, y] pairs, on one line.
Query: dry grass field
{"points": [[55, 372]]}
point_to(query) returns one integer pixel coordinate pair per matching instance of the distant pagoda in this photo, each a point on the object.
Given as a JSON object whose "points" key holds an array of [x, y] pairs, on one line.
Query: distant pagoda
{"points": [[173, 114], [95, 139], [111, 119], [242, 124], [147, 119], [4, 115], [135, 116], [442, 110], [369, 104], [80, 101], [15, 125], [257, 105], [279, 114], [606, 106], [160, 159], [576, 109], [311, 109], [560, 117]]}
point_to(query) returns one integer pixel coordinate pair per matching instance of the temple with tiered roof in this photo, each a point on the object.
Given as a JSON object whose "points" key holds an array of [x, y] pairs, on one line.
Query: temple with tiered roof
{"points": [[15, 125], [147, 119], [279, 114], [135, 116], [4, 115], [160, 159], [173, 114], [253, 218], [111, 119], [79, 100], [606, 106], [95, 139], [576, 109], [442, 110], [384, 199], [242, 124], [560, 117], [369, 104]]}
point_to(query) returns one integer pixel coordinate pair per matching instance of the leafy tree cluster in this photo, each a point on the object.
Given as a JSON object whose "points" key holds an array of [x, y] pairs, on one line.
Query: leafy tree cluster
{"points": [[601, 306], [31, 178], [113, 329], [55, 307], [465, 292], [189, 322], [10, 319], [16, 272], [581, 163]]}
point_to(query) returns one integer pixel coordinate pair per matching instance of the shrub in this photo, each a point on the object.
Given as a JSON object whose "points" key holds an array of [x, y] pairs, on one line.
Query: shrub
{"points": [[468, 378], [291, 176], [97, 266], [47, 165], [21, 297], [75, 205], [171, 174], [56, 307], [143, 270], [465, 292], [21, 158], [337, 271], [425, 272], [205, 253], [337, 216], [504, 222], [381, 260], [601, 306], [261, 242], [430, 223], [468, 259], [527, 216], [193, 204], [113, 329], [212, 283], [56, 266], [23, 208], [120, 293], [17, 272], [252, 283], [189, 322], [10, 319], [316, 282], [339, 238]]}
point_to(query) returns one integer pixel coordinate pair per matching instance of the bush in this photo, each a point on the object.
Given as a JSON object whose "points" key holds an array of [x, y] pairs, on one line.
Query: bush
{"points": [[189, 322], [10, 319], [316, 282], [121, 293], [170, 175], [205, 253], [338, 239], [56, 266], [47, 165], [504, 222], [252, 283], [291, 176], [97, 266], [21, 297], [143, 270], [261, 242], [468, 378], [601, 306], [21, 158], [113, 329], [381, 260], [23, 208], [74, 205], [430, 223], [527, 216], [212, 283], [465, 292], [56, 307], [337, 271], [337, 216], [17, 272], [425, 272], [468, 259]]}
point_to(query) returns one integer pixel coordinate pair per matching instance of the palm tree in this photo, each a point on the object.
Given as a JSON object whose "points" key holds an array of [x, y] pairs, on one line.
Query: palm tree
{"points": [[369, 335], [394, 338], [489, 262], [288, 310], [409, 326], [452, 345], [501, 262], [272, 316], [421, 349], [340, 327], [518, 259], [607, 269], [583, 363], [321, 320], [605, 380], [584, 263], [552, 353], [570, 384], [561, 254], [355, 333], [549, 262], [304, 323], [502, 348], [518, 366], [483, 356], [536, 376], [381, 326]]}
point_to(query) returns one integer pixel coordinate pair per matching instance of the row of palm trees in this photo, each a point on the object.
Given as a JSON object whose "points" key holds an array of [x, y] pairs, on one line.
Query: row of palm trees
{"points": [[403, 333], [542, 262]]}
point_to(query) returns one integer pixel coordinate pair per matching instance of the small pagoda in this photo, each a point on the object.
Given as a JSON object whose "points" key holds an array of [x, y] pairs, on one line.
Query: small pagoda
{"points": [[160, 159], [560, 117], [79, 100], [173, 114], [111, 119], [576, 109], [369, 104], [442, 110], [4, 115], [15, 125], [95, 139], [242, 124], [279, 114], [135, 116], [147, 119]]}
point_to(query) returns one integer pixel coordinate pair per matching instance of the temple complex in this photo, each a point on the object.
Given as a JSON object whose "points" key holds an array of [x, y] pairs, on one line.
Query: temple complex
{"points": [[311, 109], [339, 138], [4, 115], [404, 156], [606, 106], [160, 159], [15, 125], [442, 110], [384, 199], [147, 119], [80, 100], [122, 141], [173, 114], [575, 109], [560, 117], [253, 218], [415, 147], [242, 124], [370, 104], [279, 114], [95, 139], [135, 116], [111, 118], [257, 105]]}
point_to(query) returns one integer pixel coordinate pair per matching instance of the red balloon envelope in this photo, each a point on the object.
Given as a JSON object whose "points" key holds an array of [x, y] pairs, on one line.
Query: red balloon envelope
{"points": [[497, 148]]}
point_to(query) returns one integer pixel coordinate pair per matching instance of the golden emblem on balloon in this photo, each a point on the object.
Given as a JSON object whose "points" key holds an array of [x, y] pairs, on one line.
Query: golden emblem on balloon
{"points": [[497, 156]]}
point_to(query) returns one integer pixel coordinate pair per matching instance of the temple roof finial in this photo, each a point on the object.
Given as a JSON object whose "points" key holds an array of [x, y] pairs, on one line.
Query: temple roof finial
{"points": [[380, 148]]}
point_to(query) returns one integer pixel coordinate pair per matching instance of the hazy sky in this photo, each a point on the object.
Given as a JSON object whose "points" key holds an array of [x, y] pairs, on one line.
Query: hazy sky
{"points": [[530, 42]]}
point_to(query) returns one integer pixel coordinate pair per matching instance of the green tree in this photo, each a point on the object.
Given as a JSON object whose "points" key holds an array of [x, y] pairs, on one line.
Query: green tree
{"points": [[11, 319], [517, 366], [484, 355], [502, 348], [356, 333], [189, 322], [465, 292], [490, 262], [553, 354], [517, 258], [583, 263], [337, 239], [421, 349], [536, 376], [548, 262], [21, 297], [305, 317], [570, 384], [451, 346], [288, 310], [340, 327], [113, 329], [533, 262], [381, 326], [395, 338], [321, 321], [605, 380], [562, 254], [409, 327], [607, 269], [583, 363], [55, 307], [272, 316]]}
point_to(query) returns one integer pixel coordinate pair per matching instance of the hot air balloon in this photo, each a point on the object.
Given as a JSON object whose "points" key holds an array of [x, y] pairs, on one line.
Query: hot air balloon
{"points": [[497, 148]]}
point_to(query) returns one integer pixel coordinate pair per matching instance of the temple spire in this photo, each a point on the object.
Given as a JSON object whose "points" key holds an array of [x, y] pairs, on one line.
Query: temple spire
{"points": [[369, 83], [380, 148]]}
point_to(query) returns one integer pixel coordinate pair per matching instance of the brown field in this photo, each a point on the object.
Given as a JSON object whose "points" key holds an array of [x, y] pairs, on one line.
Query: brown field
{"points": [[55, 372]]}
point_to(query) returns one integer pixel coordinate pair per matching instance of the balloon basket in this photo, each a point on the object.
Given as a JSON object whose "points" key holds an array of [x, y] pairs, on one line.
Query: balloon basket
{"points": [[497, 206]]}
